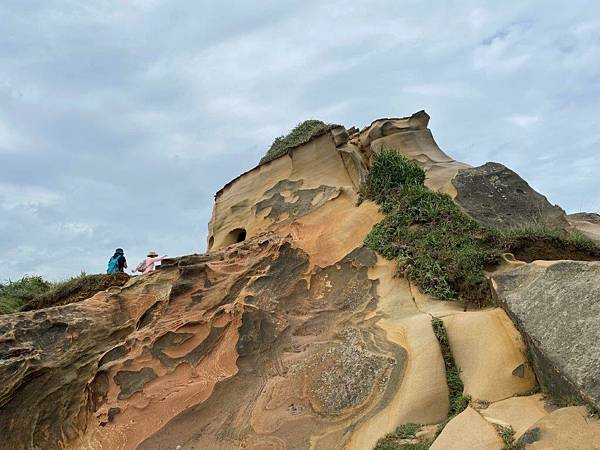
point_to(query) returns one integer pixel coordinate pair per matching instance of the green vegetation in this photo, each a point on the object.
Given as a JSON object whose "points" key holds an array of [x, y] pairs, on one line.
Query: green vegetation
{"points": [[458, 401], [15, 294], [437, 246], [392, 445], [33, 292], [408, 430], [397, 440], [302, 133], [508, 438]]}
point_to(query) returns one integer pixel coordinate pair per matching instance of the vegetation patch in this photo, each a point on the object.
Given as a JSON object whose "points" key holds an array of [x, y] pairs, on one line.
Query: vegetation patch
{"points": [[508, 438], [440, 248], [458, 401], [15, 294], [302, 133], [384, 444], [33, 292], [404, 438]]}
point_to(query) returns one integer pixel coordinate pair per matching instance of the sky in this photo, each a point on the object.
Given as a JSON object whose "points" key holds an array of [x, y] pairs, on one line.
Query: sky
{"points": [[119, 120]]}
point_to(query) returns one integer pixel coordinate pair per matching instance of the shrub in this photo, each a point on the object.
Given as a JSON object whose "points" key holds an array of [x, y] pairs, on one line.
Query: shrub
{"points": [[441, 249], [302, 133], [33, 292], [436, 245], [390, 173], [15, 294]]}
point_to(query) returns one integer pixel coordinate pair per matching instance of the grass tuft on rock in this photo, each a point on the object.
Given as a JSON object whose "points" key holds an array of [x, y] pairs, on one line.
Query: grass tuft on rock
{"points": [[33, 292], [507, 434], [436, 245], [302, 133], [404, 438], [458, 401], [440, 248], [15, 294]]}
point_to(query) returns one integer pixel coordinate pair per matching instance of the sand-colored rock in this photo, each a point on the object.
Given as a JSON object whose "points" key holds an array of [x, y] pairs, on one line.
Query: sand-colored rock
{"points": [[297, 337], [423, 396], [520, 413], [411, 137], [490, 354], [470, 431], [281, 190], [565, 429]]}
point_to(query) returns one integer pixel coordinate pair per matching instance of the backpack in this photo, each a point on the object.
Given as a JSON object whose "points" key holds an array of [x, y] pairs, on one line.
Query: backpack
{"points": [[113, 264]]}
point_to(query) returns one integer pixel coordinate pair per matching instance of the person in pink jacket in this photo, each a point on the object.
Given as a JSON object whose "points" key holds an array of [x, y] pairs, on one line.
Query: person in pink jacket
{"points": [[147, 265]]}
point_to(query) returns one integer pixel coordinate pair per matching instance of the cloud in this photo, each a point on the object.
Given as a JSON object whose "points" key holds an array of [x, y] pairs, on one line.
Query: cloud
{"points": [[523, 120], [119, 120]]}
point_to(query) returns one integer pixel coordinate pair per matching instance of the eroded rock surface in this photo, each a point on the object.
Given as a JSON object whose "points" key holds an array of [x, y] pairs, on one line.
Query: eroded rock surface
{"points": [[287, 334], [556, 307], [496, 196]]}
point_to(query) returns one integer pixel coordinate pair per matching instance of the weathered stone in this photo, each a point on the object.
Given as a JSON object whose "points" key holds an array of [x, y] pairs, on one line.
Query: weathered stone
{"points": [[340, 136], [556, 306], [496, 196], [470, 431], [296, 203], [131, 382]]}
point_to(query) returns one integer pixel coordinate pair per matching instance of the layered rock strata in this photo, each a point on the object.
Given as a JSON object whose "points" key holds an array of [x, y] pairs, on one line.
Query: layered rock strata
{"points": [[287, 334]]}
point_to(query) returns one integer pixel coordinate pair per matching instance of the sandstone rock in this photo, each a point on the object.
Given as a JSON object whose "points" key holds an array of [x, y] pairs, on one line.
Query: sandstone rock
{"points": [[470, 431], [520, 413], [286, 334], [496, 196], [490, 354], [340, 136], [555, 306], [564, 429]]}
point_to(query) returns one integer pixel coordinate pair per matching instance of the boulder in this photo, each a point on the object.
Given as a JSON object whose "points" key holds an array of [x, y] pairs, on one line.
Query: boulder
{"points": [[556, 306], [496, 196]]}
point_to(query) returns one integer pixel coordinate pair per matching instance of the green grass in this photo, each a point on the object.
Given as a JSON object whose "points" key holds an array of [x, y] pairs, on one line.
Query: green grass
{"points": [[436, 245], [15, 294], [390, 445], [301, 134], [457, 400], [33, 292], [397, 439], [507, 434]]}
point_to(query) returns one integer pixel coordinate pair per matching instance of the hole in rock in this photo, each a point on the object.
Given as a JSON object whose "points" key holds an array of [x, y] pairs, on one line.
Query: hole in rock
{"points": [[235, 236], [211, 242]]}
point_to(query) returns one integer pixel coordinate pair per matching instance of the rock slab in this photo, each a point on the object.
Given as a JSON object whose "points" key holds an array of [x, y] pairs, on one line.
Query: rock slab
{"points": [[496, 196], [557, 308]]}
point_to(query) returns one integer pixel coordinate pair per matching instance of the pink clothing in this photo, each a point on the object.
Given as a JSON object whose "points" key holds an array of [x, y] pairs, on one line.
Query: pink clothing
{"points": [[147, 265]]}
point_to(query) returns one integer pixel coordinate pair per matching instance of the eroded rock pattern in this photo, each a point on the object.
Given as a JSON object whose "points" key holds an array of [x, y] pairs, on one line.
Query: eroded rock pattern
{"points": [[297, 337]]}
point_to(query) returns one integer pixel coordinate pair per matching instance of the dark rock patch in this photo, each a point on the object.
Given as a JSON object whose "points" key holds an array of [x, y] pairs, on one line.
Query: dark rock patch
{"points": [[557, 310], [496, 196], [131, 382]]}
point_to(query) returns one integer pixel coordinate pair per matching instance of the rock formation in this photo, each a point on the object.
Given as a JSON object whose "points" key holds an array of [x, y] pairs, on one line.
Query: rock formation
{"points": [[289, 334], [560, 321]]}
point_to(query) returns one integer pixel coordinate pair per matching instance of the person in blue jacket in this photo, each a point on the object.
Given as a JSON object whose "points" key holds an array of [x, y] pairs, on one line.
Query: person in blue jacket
{"points": [[117, 263]]}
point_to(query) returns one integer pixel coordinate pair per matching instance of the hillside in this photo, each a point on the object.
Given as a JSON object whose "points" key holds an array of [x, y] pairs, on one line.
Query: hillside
{"points": [[361, 289]]}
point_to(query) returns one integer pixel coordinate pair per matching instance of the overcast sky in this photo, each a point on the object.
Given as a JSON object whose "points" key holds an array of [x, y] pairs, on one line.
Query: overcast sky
{"points": [[120, 119]]}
